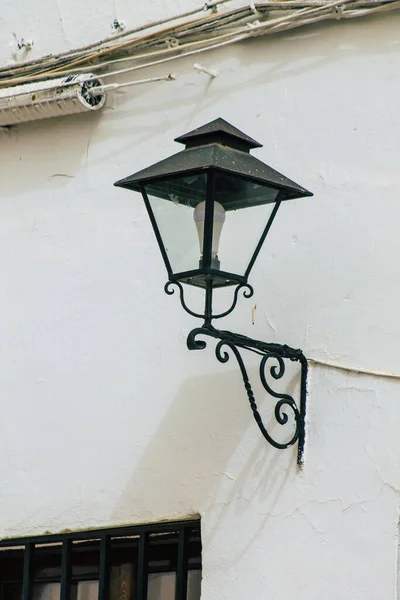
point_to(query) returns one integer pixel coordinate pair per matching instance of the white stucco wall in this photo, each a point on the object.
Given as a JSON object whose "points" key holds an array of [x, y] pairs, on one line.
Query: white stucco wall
{"points": [[106, 418]]}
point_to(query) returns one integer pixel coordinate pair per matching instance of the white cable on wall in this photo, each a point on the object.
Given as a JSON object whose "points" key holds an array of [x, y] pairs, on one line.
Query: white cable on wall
{"points": [[357, 370], [204, 33], [61, 82]]}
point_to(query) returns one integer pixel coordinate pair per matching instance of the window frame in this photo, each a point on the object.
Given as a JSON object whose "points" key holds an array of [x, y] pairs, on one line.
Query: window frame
{"points": [[185, 530]]}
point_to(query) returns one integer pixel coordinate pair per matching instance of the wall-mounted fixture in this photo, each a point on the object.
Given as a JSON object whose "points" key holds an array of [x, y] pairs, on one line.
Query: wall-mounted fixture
{"points": [[118, 26], [50, 98], [198, 202], [60, 97], [23, 44]]}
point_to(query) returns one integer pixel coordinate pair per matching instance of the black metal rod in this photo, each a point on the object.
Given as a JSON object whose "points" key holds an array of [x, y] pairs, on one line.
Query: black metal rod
{"points": [[156, 230], [65, 592], [142, 578], [182, 566], [104, 568], [303, 404], [264, 234], [209, 220], [27, 582], [208, 302]]}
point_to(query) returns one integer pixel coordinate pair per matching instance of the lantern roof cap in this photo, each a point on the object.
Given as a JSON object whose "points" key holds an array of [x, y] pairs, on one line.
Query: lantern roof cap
{"points": [[216, 146], [218, 131], [214, 156]]}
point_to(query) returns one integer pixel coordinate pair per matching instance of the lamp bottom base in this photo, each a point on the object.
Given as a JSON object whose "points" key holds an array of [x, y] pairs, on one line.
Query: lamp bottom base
{"points": [[202, 278], [215, 264]]}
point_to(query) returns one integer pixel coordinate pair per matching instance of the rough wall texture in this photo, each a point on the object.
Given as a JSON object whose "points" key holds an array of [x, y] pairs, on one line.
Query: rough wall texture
{"points": [[106, 417]]}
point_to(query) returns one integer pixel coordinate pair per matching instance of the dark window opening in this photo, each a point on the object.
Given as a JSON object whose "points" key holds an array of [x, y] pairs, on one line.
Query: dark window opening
{"points": [[153, 562]]}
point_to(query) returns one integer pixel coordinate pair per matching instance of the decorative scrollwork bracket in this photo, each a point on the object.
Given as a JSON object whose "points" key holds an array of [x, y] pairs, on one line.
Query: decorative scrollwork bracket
{"points": [[272, 366], [272, 361], [208, 315]]}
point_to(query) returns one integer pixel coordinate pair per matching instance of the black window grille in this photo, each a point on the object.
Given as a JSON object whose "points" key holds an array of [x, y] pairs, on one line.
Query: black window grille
{"points": [[144, 562]]}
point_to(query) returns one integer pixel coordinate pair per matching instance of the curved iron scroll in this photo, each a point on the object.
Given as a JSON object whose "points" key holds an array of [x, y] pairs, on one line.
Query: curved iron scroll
{"points": [[269, 353], [169, 290], [247, 293]]}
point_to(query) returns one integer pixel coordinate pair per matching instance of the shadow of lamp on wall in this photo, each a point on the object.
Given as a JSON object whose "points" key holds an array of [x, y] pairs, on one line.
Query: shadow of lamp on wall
{"points": [[189, 196]]}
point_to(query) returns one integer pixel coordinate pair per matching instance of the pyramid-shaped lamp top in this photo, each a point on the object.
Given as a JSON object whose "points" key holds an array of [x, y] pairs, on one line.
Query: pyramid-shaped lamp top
{"points": [[218, 132], [217, 146]]}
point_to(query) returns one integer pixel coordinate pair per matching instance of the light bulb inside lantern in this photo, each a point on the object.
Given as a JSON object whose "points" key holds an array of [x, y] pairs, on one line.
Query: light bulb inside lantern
{"points": [[218, 221]]}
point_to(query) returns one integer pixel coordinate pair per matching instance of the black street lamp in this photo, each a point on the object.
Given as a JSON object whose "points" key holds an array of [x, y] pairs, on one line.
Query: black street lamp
{"points": [[189, 196]]}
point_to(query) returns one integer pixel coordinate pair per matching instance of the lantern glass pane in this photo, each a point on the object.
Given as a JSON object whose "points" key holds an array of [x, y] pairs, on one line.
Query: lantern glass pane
{"points": [[173, 202], [234, 192], [188, 190], [240, 235], [242, 228]]}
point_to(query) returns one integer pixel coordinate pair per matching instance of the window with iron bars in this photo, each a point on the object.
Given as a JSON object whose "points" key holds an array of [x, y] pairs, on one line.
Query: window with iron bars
{"points": [[145, 562]]}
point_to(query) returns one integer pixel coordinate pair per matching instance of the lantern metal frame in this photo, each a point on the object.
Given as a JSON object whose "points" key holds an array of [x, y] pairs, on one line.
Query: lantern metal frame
{"points": [[219, 278], [215, 148]]}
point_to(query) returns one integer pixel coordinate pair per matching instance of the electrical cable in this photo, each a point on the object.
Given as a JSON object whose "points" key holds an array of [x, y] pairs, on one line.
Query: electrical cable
{"points": [[242, 22], [359, 370]]}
